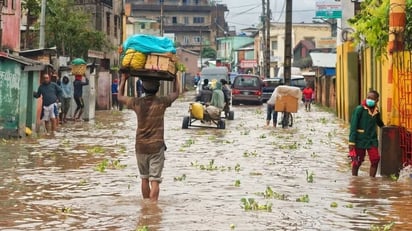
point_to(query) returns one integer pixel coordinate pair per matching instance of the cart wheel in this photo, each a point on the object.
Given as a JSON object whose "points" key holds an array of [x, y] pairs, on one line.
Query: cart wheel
{"points": [[186, 121], [221, 124], [231, 115], [290, 120]]}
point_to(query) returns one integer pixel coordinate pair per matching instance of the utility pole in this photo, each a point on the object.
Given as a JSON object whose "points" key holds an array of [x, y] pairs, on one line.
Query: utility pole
{"points": [[42, 24], [263, 41], [161, 17], [1, 24], [267, 56], [288, 43]]}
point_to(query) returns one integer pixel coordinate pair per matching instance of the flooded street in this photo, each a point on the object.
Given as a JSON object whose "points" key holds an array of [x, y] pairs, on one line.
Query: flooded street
{"points": [[245, 177]]}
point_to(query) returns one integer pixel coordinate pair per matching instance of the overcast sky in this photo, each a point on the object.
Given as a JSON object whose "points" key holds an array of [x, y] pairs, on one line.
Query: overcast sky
{"points": [[246, 13]]}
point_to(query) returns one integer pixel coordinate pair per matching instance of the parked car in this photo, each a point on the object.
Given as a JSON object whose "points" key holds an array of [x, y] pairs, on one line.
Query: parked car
{"points": [[298, 81], [247, 89], [269, 86]]}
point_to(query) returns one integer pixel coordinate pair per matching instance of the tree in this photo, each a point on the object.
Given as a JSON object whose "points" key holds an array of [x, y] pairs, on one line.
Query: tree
{"points": [[208, 52], [372, 25], [32, 8], [69, 29]]}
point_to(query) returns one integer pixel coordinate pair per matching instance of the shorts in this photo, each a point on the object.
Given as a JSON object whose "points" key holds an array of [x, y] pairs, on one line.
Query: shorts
{"points": [[66, 105], [49, 112], [373, 154], [151, 165]]}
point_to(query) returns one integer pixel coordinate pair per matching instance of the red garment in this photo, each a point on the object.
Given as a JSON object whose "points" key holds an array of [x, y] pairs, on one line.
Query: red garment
{"points": [[78, 77], [307, 92]]}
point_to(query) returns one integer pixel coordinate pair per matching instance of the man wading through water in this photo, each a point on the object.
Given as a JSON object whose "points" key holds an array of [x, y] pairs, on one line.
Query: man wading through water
{"points": [[150, 146]]}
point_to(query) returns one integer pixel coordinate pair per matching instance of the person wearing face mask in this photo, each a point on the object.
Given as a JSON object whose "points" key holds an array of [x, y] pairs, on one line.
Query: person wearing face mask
{"points": [[363, 134]]}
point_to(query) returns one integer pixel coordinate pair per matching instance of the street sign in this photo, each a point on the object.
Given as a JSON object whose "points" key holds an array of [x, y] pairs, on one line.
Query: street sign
{"points": [[328, 9]]}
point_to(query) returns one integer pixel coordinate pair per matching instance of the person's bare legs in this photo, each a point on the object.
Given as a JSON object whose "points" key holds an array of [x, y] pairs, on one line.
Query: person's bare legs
{"points": [[53, 124], [373, 169], [47, 126], [154, 191], [355, 170], [145, 187], [80, 114]]}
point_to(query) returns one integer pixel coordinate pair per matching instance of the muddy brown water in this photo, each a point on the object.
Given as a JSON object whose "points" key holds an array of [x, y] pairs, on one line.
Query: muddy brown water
{"points": [[86, 178]]}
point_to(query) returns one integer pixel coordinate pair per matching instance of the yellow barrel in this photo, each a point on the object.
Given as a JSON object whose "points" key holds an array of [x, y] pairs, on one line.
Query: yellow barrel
{"points": [[196, 109]]}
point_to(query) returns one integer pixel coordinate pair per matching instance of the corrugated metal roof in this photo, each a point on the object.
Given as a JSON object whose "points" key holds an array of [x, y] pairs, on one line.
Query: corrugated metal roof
{"points": [[30, 64], [320, 59]]}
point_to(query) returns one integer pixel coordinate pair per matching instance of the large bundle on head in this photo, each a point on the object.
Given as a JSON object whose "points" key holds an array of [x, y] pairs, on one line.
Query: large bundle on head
{"points": [[149, 52], [79, 66]]}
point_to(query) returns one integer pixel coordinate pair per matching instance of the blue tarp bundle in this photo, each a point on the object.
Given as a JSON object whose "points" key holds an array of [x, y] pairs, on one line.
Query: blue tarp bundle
{"points": [[149, 44]]}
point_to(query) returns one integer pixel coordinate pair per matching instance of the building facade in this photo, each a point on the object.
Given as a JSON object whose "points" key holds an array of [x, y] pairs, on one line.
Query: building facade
{"points": [[194, 23], [313, 32], [10, 14]]}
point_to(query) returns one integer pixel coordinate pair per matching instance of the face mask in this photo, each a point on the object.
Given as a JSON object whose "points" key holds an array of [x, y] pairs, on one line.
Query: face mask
{"points": [[370, 102]]}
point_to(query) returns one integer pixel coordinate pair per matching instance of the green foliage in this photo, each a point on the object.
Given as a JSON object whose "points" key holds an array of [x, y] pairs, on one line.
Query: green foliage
{"points": [[252, 204], [371, 25], [208, 52], [69, 29]]}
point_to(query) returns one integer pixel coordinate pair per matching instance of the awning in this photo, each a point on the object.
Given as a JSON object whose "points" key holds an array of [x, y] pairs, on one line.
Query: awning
{"points": [[248, 64]]}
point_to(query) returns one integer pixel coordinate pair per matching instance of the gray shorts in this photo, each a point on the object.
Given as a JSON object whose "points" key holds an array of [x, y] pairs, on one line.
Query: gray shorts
{"points": [[151, 165]]}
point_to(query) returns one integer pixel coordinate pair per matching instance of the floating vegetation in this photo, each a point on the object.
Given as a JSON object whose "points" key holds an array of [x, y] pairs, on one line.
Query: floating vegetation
{"points": [[304, 198], [333, 205], [251, 204], [122, 149], [348, 206], [105, 164], [258, 111], [237, 183], [386, 227], [245, 132], [314, 155], [96, 150], [188, 143], [250, 154], [211, 138], [180, 178], [270, 194], [237, 167], [255, 173], [65, 210], [263, 136], [309, 176], [323, 120], [142, 228]]}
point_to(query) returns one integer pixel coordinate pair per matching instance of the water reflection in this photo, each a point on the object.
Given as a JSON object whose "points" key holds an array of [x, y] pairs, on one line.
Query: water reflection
{"points": [[150, 216]]}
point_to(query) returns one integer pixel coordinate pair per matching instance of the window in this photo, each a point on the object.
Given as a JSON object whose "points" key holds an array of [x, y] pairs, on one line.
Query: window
{"points": [[198, 20], [197, 39], [186, 40], [174, 20], [116, 25], [108, 23], [186, 20], [274, 44], [13, 4], [185, 2]]}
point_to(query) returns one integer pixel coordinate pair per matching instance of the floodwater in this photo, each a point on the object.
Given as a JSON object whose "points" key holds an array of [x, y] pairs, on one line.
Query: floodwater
{"points": [[299, 178]]}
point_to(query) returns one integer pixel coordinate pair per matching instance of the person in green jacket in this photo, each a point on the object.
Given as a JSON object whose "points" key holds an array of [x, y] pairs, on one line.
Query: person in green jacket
{"points": [[363, 133]]}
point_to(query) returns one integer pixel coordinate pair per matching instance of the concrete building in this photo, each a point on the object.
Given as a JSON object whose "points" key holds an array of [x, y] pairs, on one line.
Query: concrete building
{"points": [[194, 23], [312, 32], [10, 14]]}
